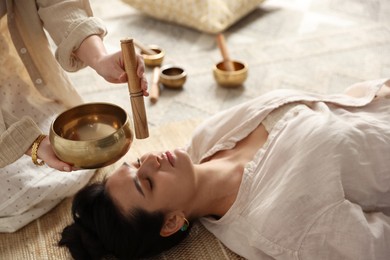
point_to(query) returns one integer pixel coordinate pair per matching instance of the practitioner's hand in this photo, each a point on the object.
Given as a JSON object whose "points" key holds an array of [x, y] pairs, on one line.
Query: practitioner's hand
{"points": [[46, 154], [111, 68]]}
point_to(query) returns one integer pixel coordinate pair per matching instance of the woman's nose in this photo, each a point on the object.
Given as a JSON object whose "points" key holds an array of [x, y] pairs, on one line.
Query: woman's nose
{"points": [[149, 163], [149, 156]]}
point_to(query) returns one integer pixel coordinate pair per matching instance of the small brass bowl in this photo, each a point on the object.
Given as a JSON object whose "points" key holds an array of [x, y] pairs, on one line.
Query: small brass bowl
{"points": [[230, 79], [173, 76], [91, 135], [155, 59]]}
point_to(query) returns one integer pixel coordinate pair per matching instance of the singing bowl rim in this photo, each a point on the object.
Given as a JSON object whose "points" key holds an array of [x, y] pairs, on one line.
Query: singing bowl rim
{"points": [[153, 59], [123, 132], [243, 67], [231, 79], [173, 81], [155, 48]]}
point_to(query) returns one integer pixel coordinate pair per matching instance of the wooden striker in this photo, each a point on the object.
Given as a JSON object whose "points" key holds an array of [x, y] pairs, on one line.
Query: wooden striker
{"points": [[134, 85]]}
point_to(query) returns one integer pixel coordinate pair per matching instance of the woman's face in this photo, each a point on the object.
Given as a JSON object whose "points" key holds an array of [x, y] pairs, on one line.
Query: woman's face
{"points": [[161, 181]]}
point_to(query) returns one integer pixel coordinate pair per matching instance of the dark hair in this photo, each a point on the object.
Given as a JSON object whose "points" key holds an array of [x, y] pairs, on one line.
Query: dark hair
{"points": [[100, 229]]}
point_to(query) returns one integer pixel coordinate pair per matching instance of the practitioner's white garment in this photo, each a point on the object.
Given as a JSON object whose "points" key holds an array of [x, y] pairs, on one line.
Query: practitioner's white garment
{"points": [[27, 194], [28, 191], [319, 188]]}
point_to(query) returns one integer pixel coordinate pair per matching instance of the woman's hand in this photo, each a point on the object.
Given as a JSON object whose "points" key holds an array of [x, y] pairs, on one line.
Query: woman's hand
{"points": [[45, 153], [110, 66]]}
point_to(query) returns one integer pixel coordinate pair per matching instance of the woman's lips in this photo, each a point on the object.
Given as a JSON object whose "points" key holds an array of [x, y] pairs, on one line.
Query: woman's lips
{"points": [[170, 157]]}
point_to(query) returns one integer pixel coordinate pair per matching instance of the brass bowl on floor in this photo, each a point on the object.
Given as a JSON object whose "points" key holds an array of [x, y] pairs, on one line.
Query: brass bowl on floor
{"points": [[153, 60], [172, 76], [230, 79], [91, 135]]}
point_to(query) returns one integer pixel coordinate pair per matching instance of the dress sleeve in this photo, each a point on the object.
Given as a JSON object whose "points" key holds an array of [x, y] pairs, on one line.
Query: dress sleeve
{"points": [[69, 23], [16, 137]]}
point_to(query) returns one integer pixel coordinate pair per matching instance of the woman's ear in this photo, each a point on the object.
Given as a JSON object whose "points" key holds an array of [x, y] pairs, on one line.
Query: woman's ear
{"points": [[172, 223]]}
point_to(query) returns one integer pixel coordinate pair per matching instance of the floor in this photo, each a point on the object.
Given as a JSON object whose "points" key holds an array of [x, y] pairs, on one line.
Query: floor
{"points": [[314, 45]]}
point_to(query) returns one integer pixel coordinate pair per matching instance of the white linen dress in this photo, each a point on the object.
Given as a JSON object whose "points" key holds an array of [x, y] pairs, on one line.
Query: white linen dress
{"points": [[320, 186]]}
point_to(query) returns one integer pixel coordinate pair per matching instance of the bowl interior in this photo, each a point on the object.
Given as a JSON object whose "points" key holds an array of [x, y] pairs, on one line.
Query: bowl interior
{"points": [[238, 66], [89, 122], [172, 76], [172, 72], [159, 53]]}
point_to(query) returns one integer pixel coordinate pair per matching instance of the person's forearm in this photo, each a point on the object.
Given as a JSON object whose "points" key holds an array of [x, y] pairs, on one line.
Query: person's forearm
{"points": [[92, 53], [91, 50], [17, 135]]}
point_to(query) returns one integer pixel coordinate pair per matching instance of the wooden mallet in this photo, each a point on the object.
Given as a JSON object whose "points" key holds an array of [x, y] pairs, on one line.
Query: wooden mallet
{"points": [[134, 85], [155, 88], [228, 64]]}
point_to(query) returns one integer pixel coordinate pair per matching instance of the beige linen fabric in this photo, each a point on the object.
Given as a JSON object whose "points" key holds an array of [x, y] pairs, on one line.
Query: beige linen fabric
{"points": [[320, 186], [211, 16], [33, 90], [27, 55], [28, 191]]}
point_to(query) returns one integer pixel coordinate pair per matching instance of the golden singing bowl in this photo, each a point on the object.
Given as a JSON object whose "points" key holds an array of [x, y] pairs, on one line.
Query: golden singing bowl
{"points": [[154, 59], [91, 135], [173, 76], [230, 79]]}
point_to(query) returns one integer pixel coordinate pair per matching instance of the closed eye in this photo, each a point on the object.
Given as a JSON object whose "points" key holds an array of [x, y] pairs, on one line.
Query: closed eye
{"points": [[150, 183], [138, 186], [135, 180], [138, 165]]}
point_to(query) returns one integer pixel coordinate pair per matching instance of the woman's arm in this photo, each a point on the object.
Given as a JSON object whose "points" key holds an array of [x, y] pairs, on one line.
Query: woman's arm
{"points": [[17, 137], [110, 66], [46, 154], [78, 36], [93, 53]]}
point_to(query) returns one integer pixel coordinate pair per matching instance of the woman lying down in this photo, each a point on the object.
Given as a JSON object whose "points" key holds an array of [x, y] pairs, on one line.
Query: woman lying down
{"points": [[287, 175]]}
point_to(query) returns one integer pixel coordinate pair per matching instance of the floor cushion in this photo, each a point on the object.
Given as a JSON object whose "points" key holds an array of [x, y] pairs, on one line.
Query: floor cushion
{"points": [[211, 16]]}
